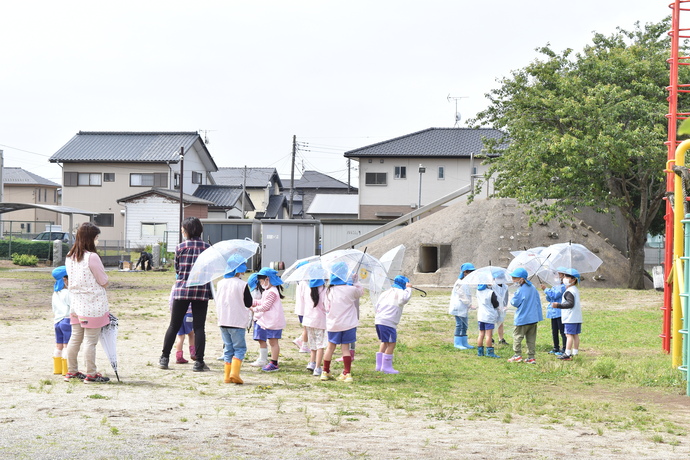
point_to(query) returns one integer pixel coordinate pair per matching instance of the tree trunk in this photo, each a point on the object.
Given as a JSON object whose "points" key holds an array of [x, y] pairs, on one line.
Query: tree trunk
{"points": [[637, 237]]}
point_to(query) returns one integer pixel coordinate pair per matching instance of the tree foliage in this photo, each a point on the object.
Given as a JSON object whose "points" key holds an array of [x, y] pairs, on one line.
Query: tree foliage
{"points": [[587, 129]]}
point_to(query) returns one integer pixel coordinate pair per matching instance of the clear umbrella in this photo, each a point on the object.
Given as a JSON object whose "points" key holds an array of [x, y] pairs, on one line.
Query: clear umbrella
{"points": [[213, 262], [488, 275], [348, 263], [108, 341], [530, 260], [392, 261], [310, 271], [569, 255], [298, 264]]}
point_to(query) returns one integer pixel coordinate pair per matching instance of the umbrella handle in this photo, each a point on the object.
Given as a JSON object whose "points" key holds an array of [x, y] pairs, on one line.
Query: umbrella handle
{"points": [[423, 292]]}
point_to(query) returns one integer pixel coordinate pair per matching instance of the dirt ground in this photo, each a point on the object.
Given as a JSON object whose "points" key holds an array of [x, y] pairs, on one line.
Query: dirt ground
{"points": [[153, 413]]}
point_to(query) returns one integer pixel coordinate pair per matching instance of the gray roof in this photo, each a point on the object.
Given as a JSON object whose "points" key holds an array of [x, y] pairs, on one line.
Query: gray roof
{"points": [[140, 147], [317, 180], [19, 176], [168, 193], [275, 203], [255, 177], [223, 196], [431, 143]]}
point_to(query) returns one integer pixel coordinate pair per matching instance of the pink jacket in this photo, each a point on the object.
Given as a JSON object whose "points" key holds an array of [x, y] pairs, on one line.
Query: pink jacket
{"points": [[314, 316], [341, 307], [271, 308]]}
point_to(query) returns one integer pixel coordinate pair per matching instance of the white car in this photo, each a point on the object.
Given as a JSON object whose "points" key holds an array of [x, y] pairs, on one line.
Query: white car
{"points": [[66, 237]]}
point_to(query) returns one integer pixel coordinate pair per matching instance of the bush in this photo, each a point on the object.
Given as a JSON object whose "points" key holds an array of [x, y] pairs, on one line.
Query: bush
{"points": [[24, 259], [41, 249]]}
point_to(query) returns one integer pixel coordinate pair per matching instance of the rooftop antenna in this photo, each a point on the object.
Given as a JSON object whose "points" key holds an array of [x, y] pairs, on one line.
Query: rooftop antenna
{"points": [[457, 114], [205, 133]]}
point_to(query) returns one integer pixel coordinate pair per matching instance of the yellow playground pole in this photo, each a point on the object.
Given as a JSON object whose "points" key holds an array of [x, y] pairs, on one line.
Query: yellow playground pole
{"points": [[678, 252]]}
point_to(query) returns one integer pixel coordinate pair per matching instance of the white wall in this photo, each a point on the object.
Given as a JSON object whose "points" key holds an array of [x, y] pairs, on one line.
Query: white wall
{"points": [[152, 209]]}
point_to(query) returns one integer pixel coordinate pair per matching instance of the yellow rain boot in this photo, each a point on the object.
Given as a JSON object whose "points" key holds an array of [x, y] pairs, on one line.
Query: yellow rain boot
{"points": [[57, 365], [228, 368], [64, 366], [235, 372]]}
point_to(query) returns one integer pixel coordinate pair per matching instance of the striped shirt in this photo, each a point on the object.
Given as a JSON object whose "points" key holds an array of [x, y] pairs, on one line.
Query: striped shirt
{"points": [[185, 256]]}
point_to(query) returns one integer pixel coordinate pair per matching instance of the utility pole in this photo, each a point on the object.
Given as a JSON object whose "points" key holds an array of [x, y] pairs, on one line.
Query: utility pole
{"points": [[244, 188], [292, 174], [181, 191]]}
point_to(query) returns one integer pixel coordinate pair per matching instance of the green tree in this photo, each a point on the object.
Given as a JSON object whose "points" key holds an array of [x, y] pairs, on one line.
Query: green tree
{"points": [[587, 129]]}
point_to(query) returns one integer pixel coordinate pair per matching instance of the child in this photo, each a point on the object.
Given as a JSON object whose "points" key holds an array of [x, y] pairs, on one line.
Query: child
{"points": [[232, 302], [301, 293], [187, 329], [460, 300], [388, 312], [271, 323], [501, 291], [314, 321], [260, 336], [572, 313], [527, 315], [61, 319], [341, 320], [555, 294], [487, 316]]}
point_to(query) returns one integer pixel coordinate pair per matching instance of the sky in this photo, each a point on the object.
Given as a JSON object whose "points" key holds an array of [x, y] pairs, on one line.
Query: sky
{"points": [[250, 75]]}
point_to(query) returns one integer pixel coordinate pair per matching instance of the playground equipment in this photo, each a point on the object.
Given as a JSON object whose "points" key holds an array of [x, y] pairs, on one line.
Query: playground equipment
{"points": [[677, 248]]}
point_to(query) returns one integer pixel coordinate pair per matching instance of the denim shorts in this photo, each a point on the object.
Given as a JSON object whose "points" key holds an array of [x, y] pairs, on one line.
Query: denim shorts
{"points": [[486, 326], [573, 328], [349, 336]]}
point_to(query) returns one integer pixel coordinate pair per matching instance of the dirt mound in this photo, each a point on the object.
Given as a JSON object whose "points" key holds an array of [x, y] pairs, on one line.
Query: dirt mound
{"points": [[484, 233]]}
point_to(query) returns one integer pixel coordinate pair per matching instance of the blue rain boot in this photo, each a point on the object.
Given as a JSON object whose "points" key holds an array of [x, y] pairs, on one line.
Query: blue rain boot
{"points": [[465, 344], [480, 351], [490, 353], [459, 344]]}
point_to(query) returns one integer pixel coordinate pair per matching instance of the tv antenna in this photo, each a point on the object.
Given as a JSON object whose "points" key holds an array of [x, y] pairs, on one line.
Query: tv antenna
{"points": [[457, 114], [205, 133]]}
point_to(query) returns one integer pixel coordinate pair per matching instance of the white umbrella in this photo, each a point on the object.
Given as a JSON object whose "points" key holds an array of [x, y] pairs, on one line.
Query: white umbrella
{"points": [[310, 271], [298, 264], [488, 275], [108, 339], [569, 255], [529, 260], [348, 263], [213, 262], [392, 261]]}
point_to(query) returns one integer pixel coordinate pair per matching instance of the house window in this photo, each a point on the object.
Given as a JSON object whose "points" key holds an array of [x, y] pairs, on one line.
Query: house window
{"points": [[176, 180], [401, 172], [375, 179], [196, 177], [148, 180], [104, 220], [153, 229], [441, 173], [74, 179], [108, 177]]}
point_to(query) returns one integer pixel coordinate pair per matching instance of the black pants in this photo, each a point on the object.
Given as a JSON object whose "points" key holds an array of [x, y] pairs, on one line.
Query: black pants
{"points": [[557, 329], [179, 309]]}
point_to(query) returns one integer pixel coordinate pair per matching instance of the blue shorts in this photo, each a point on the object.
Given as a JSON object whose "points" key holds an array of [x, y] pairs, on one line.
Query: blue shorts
{"points": [[300, 318], [573, 328], [486, 326], [187, 325], [386, 333], [349, 336], [264, 334], [63, 331]]}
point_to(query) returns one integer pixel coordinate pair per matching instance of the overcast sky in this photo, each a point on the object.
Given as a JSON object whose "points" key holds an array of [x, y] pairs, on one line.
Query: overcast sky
{"points": [[251, 74]]}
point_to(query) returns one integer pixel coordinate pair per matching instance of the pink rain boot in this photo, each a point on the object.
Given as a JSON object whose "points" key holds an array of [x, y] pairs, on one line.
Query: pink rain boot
{"points": [[379, 361], [352, 353], [192, 352], [387, 365], [179, 358]]}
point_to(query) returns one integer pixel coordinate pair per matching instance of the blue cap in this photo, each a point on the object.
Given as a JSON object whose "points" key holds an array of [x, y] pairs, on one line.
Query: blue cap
{"points": [[572, 272], [272, 276], [520, 273], [253, 281], [335, 281], [464, 267], [341, 271], [316, 283], [400, 282], [59, 273], [481, 287]]}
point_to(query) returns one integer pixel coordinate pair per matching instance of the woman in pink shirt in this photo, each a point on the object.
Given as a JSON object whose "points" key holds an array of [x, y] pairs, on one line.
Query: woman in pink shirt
{"points": [[89, 302]]}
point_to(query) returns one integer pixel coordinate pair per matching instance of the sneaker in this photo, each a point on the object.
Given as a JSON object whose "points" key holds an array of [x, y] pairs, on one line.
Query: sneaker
{"points": [[270, 367], [96, 378], [163, 362], [220, 358], [311, 366], [200, 366], [530, 361], [304, 348], [259, 363], [555, 351], [502, 342], [515, 359], [347, 378], [317, 371], [558, 353], [565, 357], [76, 375], [326, 376], [298, 342]]}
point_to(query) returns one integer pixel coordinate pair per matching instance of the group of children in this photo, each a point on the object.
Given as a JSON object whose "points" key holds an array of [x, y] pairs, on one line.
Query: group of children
{"points": [[563, 309]]}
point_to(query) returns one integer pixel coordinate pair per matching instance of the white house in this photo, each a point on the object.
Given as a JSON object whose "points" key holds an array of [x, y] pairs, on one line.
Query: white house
{"points": [[398, 175]]}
